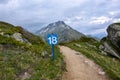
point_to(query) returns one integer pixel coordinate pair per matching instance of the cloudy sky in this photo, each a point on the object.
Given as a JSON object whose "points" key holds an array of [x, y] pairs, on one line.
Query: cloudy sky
{"points": [[90, 17]]}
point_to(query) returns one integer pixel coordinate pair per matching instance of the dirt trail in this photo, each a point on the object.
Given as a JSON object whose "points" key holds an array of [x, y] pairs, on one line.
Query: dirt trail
{"points": [[79, 67]]}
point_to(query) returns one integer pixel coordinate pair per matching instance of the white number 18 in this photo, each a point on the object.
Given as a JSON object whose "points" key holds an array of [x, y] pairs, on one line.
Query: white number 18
{"points": [[52, 40]]}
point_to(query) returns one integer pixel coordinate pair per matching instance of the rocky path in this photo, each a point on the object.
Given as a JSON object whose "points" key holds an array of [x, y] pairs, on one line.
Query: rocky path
{"points": [[79, 67]]}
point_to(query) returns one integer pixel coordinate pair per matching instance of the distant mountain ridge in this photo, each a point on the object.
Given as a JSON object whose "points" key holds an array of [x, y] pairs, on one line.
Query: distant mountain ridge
{"points": [[65, 32]]}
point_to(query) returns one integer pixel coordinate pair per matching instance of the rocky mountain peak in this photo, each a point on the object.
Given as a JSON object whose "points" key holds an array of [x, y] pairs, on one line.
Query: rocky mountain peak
{"points": [[58, 24], [64, 31]]}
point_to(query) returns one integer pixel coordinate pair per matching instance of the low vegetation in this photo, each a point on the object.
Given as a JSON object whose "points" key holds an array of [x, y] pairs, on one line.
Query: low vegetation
{"points": [[90, 48], [19, 60]]}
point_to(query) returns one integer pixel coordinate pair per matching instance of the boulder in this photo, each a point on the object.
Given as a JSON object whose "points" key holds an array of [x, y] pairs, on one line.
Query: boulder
{"points": [[18, 37], [78, 45], [114, 34], [110, 50], [111, 43], [45, 54], [101, 48]]}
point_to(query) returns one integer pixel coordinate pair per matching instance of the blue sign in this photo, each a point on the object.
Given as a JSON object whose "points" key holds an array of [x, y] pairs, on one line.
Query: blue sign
{"points": [[52, 39]]}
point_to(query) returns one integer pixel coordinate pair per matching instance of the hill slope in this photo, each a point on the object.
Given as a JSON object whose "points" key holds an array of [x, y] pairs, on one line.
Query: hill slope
{"points": [[65, 32], [25, 56]]}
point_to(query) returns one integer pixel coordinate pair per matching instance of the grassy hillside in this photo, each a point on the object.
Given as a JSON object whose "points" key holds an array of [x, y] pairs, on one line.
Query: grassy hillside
{"points": [[89, 47], [20, 60]]}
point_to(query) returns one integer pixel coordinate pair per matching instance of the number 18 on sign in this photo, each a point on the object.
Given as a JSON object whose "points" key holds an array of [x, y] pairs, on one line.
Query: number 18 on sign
{"points": [[52, 40]]}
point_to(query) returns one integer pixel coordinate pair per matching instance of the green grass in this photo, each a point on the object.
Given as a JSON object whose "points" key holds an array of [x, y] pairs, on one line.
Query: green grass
{"points": [[14, 62], [18, 57], [109, 64], [48, 69]]}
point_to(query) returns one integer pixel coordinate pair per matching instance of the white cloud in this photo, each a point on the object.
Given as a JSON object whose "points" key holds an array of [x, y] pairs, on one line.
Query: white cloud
{"points": [[78, 17], [74, 20], [116, 20], [68, 3], [10, 5], [100, 20], [103, 20], [114, 12], [98, 31], [68, 21]]}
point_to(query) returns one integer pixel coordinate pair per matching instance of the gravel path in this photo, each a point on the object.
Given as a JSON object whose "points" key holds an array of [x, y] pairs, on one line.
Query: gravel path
{"points": [[79, 67]]}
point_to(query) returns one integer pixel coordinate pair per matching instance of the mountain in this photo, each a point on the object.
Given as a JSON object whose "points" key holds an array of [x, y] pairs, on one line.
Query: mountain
{"points": [[111, 43], [24, 55], [65, 32]]}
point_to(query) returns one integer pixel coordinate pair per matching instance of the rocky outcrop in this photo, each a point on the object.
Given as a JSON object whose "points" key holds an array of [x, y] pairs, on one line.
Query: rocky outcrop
{"points": [[114, 34], [18, 37], [111, 43], [110, 50]]}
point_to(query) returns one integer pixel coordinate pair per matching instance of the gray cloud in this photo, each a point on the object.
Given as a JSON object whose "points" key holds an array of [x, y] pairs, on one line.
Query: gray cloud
{"points": [[34, 14], [3, 1]]}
